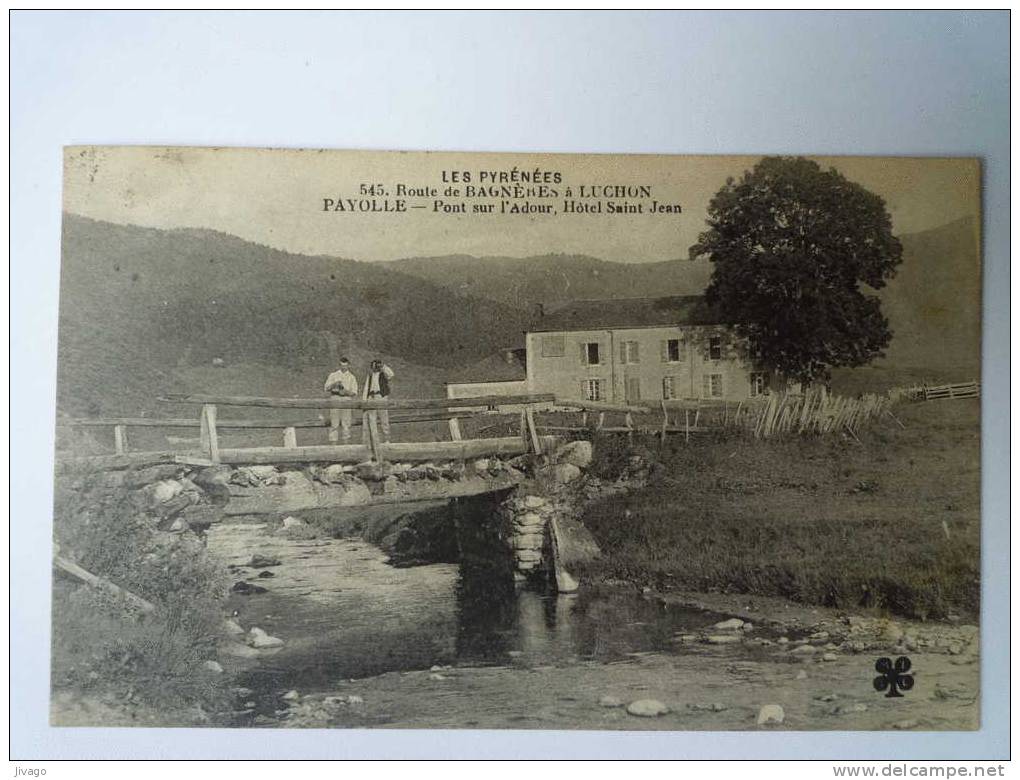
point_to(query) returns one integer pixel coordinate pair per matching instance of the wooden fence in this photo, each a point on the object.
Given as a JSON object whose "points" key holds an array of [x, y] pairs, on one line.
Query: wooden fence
{"points": [[928, 392]]}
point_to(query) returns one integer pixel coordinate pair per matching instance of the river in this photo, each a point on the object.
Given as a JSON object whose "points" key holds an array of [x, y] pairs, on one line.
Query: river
{"points": [[345, 613]]}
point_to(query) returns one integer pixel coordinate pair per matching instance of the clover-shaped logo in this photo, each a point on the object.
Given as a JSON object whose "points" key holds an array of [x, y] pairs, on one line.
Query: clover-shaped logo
{"points": [[895, 677]]}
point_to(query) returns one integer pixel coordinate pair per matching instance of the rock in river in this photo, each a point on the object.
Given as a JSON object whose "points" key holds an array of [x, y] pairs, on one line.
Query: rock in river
{"points": [[733, 624], [261, 640], [610, 701], [647, 708], [770, 713], [247, 589]]}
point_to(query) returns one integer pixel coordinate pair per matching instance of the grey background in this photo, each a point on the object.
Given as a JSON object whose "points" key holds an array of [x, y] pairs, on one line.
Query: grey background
{"points": [[917, 83]]}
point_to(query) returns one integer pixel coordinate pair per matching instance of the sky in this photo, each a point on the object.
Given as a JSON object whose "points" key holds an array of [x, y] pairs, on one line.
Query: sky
{"points": [[278, 197]]}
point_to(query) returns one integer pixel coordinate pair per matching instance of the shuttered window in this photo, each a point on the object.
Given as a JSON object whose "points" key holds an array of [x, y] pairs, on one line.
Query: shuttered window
{"points": [[633, 388], [669, 386], [591, 353], [672, 351], [715, 347], [593, 389], [629, 352], [712, 386]]}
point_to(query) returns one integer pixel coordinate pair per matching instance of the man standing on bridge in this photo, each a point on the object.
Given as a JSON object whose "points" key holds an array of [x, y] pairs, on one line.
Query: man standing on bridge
{"points": [[344, 384], [377, 385]]}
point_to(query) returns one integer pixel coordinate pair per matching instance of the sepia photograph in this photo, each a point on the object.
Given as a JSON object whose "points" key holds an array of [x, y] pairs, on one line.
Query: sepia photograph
{"points": [[412, 440]]}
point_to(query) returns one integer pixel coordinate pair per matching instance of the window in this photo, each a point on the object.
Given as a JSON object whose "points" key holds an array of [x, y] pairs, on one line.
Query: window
{"points": [[629, 352], [590, 353], [715, 347], [669, 387], [672, 351], [758, 385], [713, 385], [633, 388], [592, 389], [553, 346]]}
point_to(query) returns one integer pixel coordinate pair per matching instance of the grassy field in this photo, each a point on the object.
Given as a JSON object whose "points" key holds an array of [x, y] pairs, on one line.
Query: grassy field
{"points": [[891, 522]]}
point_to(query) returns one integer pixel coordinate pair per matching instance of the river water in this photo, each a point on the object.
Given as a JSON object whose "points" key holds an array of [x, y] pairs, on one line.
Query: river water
{"points": [[344, 613]]}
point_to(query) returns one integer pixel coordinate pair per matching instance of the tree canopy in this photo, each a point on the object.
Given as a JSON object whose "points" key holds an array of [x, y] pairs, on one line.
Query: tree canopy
{"points": [[791, 246]]}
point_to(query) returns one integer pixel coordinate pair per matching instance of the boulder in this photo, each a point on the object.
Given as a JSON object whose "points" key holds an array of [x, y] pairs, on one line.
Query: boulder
{"points": [[247, 589], [355, 494], [576, 453], [610, 701], [528, 541], [291, 696], [647, 708], [891, 632], [260, 640], [533, 502], [830, 657], [481, 465], [530, 520], [335, 472], [294, 522], [733, 624], [529, 555], [770, 713], [212, 666], [561, 473], [163, 491]]}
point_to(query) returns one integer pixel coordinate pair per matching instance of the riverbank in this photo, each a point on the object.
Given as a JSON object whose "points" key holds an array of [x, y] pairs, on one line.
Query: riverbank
{"points": [[700, 685], [889, 521]]}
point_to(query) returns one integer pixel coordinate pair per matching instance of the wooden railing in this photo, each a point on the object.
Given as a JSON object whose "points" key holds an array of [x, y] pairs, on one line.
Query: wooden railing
{"points": [[660, 417], [408, 411]]}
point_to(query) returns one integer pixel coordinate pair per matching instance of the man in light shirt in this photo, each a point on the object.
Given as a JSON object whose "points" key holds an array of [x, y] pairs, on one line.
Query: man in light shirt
{"points": [[377, 385], [344, 384]]}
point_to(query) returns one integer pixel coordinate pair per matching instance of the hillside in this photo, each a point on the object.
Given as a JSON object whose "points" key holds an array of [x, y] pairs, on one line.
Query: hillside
{"points": [[524, 281], [933, 304], [140, 306]]}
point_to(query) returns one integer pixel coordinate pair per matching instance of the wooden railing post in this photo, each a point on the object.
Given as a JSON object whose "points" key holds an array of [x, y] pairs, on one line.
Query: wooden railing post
{"points": [[208, 435], [455, 429], [290, 437], [119, 439], [535, 442]]}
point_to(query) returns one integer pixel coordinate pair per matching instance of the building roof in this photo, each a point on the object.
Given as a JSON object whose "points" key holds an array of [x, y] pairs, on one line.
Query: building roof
{"points": [[628, 313], [508, 365]]}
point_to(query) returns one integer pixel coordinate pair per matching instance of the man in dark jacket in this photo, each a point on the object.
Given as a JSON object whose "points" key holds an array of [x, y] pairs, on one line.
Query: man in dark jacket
{"points": [[377, 385]]}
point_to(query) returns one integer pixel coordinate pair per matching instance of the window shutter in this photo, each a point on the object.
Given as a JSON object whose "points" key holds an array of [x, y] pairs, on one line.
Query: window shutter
{"points": [[664, 350], [637, 352], [584, 390], [706, 386], [584, 354], [623, 352]]}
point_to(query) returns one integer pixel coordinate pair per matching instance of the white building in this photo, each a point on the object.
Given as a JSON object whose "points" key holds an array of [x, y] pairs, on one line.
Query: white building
{"points": [[623, 351]]}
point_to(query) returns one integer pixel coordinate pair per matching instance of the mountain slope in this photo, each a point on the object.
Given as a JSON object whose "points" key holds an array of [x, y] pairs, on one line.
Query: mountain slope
{"points": [[137, 303]]}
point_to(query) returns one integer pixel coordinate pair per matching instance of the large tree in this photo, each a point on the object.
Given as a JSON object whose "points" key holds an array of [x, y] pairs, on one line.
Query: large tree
{"points": [[792, 244]]}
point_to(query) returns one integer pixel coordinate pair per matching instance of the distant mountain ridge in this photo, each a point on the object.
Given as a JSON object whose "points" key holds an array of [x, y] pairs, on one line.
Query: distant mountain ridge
{"points": [[524, 282]]}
